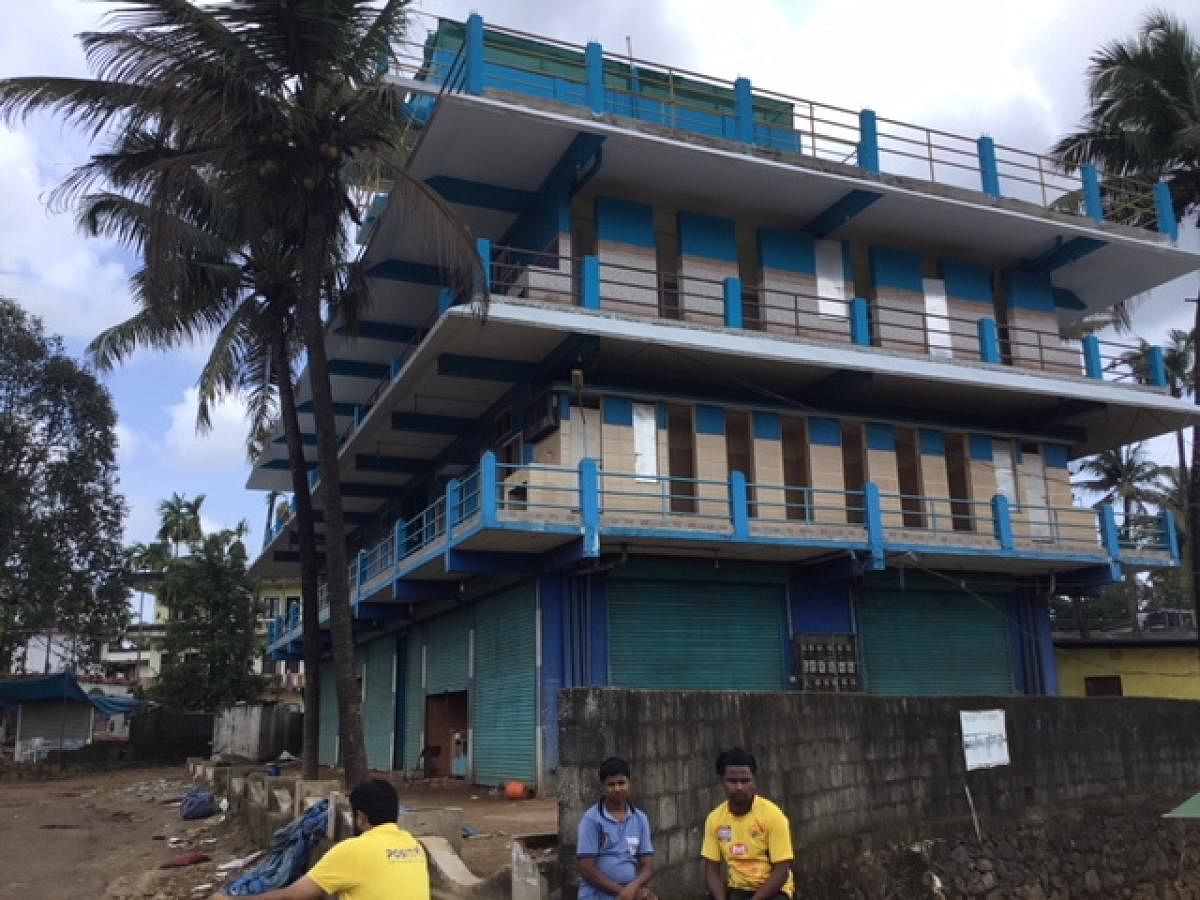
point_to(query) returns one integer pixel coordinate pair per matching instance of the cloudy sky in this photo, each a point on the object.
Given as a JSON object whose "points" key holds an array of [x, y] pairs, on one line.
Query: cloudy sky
{"points": [[963, 67]]}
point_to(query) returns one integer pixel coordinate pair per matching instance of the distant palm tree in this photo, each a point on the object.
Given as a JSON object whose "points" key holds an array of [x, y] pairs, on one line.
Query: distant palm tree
{"points": [[1143, 123], [180, 520], [1128, 477], [1178, 359]]}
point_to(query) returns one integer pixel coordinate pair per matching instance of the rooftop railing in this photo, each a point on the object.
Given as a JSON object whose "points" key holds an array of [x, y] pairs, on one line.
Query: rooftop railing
{"points": [[694, 104]]}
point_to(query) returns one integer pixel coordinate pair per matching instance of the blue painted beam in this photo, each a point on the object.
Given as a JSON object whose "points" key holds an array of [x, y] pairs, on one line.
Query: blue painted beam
{"points": [[429, 424], [475, 562], [839, 213], [381, 611], [480, 194], [564, 557], [1063, 253], [404, 270], [368, 491], [403, 589], [276, 465], [346, 410], [452, 365], [358, 368], [364, 462], [308, 440], [380, 331]]}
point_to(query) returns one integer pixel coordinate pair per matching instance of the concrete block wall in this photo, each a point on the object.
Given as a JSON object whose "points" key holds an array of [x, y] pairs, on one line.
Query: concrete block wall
{"points": [[712, 462], [625, 492], [790, 293], [859, 771], [707, 256], [827, 470], [969, 297], [882, 469], [898, 303], [625, 246], [1033, 326], [935, 478], [768, 467]]}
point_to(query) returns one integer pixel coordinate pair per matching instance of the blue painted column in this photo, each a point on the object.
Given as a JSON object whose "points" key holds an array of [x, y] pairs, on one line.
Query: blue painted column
{"points": [[874, 514], [550, 608], [1047, 659], [860, 322], [593, 63], [1165, 207], [445, 300], [733, 303], [489, 489], [1002, 526], [589, 506], [473, 55], [1156, 365], [453, 507], [989, 170], [591, 283], [1093, 206], [398, 542], [868, 141], [484, 248], [739, 505], [743, 96], [1170, 534], [989, 341], [1092, 364], [1110, 537]]}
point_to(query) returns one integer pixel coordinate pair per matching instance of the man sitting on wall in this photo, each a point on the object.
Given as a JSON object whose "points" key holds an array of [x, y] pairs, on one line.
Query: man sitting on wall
{"points": [[381, 862], [750, 834], [615, 848]]}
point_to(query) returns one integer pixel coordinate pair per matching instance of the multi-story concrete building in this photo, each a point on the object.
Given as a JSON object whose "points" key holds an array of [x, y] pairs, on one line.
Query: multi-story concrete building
{"points": [[768, 395]]}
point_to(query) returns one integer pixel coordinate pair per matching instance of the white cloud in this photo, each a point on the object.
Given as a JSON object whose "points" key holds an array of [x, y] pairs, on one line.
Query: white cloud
{"points": [[223, 449], [128, 444]]}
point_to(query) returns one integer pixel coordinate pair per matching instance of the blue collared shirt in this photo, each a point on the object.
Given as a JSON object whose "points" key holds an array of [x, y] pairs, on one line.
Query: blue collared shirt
{"points": [[616, 846]]}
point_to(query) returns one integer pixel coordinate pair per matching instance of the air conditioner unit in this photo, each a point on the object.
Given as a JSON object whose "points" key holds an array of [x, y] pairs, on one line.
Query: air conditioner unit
{"points": [[541, 417]]}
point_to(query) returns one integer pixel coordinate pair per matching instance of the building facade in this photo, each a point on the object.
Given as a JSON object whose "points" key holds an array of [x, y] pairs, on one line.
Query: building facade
{"points": [[767, 395]]}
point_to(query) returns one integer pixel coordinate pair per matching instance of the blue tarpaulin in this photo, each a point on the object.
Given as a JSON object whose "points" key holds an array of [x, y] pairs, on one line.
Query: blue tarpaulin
{"points": [[63, 687]]}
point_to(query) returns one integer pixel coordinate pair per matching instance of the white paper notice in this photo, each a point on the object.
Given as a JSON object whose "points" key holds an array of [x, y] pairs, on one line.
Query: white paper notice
{"points": [[985, 741]]}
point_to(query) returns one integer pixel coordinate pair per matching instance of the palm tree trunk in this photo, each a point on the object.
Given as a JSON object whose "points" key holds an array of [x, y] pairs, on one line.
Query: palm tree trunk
{"points": [[354, 758], [310, 608], [1130, 578], [1193, 482], [271, 498]]}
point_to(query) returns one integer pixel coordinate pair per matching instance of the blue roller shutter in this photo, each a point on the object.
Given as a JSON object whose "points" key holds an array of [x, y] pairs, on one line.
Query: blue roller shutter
{"points": [[696, 636], [504, 706], [414, 702]]}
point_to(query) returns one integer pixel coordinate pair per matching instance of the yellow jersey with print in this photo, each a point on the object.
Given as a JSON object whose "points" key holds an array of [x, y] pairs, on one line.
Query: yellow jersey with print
{"points": [[384, 863], [749, 845]]}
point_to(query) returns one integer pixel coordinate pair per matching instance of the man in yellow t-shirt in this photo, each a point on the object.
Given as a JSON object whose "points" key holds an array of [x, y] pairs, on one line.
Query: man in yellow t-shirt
{"points": [[381, 862], [748, 833]]}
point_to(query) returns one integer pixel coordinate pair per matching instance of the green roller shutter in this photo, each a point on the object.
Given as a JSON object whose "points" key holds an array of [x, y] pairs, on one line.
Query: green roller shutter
{"points": [[379, 709], [696, 636], [414, 702], [328, 751], [504, 708], [925, 641], [446, 654]]}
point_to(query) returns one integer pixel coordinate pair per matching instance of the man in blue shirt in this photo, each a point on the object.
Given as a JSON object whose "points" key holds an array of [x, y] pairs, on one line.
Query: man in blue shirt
{"points": [[615, 848]]}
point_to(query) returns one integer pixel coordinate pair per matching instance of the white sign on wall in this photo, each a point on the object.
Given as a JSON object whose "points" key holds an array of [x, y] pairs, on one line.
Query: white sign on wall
{"points": [[985, 741]]}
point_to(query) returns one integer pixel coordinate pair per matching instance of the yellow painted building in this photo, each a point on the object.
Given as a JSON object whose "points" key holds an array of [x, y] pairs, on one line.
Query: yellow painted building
{"points": [[1151, 666]]}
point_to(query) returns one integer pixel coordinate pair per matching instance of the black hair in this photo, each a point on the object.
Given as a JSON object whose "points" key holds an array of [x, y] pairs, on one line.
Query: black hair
{"points": [[736, 757], [377, 800], [613, 766]]}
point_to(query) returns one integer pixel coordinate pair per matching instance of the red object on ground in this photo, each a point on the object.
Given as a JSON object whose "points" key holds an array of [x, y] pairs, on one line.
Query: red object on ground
{"points": [[187, 859], [515, 790]]}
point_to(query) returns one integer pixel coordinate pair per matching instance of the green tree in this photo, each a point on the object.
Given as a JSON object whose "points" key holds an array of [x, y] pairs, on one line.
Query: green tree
{"points": [[61, 560], [1128, 478], [209, 648], [1178, 359], [179, 520], [1143, 123]]}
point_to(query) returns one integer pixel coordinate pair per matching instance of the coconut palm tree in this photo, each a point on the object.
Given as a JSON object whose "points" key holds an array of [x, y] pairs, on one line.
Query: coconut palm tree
{"points": [[1178, 359], [209, 270], [1143, 122], [1129, 478]]}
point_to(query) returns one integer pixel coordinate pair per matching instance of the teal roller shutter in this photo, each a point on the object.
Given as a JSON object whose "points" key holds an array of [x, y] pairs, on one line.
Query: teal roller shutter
{"points": [[414, 702], [379, 711], [696, 636], [327, 752], [446, 654], [924, 641], [504, 708]]}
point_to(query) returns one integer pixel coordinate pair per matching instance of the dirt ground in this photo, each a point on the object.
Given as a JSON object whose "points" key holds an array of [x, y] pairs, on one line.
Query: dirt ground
{"points": [[105, 835]]}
